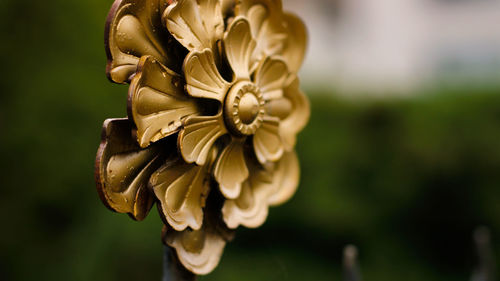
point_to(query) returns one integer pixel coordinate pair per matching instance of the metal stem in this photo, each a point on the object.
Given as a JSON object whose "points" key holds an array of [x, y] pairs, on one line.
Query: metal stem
{"points": [[485, 270], [351, 270]]}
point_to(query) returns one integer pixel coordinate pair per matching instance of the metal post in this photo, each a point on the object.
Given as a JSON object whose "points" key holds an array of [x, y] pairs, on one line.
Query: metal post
{"points": [[485, 270], [350, 264]]}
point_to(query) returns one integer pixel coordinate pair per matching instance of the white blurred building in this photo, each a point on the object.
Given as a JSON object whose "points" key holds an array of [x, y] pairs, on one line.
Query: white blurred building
{"points": [[388, 46]]}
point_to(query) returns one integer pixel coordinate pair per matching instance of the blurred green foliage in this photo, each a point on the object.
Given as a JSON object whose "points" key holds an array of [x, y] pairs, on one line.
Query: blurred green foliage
{"points": [[406, 180]]}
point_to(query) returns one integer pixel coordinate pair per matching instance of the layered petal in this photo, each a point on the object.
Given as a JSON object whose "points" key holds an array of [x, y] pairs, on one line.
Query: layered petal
{"points": [[200, 250], [181, 190], [296, 43], [250, 209], [267, 141], [157, 102], [231, 170], [202, 76], [239, 46], [196, 24], [280, 107], [266, 19], [299, 114], [269, 185], [122, 169], [199, 135], [271, 77], [286, 178], [133, 30]]}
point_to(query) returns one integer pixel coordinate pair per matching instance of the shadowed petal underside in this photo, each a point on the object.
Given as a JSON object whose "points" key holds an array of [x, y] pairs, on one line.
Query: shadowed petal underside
{"points": [[122, 170]]}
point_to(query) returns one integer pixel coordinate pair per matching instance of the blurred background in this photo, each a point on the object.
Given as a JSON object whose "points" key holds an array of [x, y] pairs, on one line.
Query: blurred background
{"points": [[401, 156]]}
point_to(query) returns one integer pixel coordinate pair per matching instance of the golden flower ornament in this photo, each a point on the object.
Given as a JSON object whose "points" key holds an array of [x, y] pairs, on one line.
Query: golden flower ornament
{"points": [[214, 107]]}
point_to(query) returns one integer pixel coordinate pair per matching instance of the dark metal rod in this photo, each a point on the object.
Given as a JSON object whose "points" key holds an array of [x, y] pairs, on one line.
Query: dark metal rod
{"points": [[485, 270], [351, 271]]}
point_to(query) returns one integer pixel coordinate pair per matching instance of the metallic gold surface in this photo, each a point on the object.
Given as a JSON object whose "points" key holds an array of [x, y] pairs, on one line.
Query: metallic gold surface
{"points": [[214, 107], [200, 250], [157, 101], [244, 109], [134, 29], [123, 170]]}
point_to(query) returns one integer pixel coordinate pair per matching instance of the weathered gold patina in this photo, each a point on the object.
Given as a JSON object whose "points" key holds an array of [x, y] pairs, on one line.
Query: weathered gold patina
{"points": [[214, 107]]}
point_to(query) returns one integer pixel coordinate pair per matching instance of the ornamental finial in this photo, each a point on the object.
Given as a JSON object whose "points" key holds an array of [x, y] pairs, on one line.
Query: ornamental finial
{"points": [[214, 107]]}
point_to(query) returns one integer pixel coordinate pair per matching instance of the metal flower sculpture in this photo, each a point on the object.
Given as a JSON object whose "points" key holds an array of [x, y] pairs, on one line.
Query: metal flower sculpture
{"points": [[214, 107]]}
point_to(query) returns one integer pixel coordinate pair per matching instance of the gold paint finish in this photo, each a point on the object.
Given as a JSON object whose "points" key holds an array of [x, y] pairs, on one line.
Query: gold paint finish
{"points": [[134, 29], [157, 101], [249, 108], [123, 169], [214, 107], [269, 185], [195, 24], [200, 250], [181, 190], [231, 168], [244, 109]]}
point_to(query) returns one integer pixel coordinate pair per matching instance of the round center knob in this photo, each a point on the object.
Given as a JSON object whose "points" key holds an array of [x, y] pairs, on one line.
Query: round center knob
{"points": [[244, 109], [249, 108]]}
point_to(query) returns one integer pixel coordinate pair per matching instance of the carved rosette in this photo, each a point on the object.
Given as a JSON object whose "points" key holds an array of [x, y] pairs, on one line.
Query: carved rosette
{"points": [[214, 107]]}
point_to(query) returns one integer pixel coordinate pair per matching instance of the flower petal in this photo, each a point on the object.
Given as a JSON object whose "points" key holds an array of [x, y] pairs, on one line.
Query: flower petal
{"points": [[269, 186], [157, 102], [202, 76], [200, 250], [182, 190], [299, 116], [267, 141], [198, 136], [239, 46], [231, 170], [250, 208], [195, 24], [285, 179], [271, 77], [122, 169], [281, 107], [266, 19], [296, 43], [133, 30]]}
